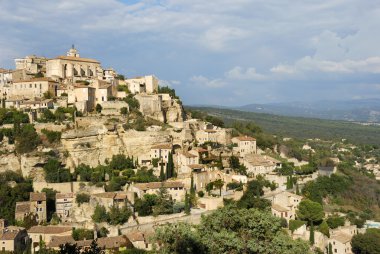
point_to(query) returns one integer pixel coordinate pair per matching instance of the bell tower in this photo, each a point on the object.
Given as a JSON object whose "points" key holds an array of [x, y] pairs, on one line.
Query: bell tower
{"points": [[73, 52]]}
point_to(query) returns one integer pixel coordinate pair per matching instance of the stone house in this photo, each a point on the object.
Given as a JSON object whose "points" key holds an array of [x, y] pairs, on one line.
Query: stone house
{"points": [[340, 238], [221, 136], [139, 240], [260, 164], [175, 189], [63, 204], [113, 244], [161, 152], [12, 239], [32, 64], [146, 84], [32, 88], [82, 97], [245, 145], [109, 199], [46, 233], [285, 204], [103, 90], [36, 206]]}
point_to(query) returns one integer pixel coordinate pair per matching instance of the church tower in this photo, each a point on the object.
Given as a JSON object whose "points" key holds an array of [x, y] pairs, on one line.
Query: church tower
{"points": [[73, 52]]}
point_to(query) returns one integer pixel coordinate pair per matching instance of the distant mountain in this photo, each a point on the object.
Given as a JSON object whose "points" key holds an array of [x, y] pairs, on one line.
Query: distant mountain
{"points": [[367, 110]]}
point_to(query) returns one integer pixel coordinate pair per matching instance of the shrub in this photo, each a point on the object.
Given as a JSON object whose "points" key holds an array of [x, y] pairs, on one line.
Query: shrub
{"points": [[295, 224], [52, 136], [82, 234], [82, 198]]}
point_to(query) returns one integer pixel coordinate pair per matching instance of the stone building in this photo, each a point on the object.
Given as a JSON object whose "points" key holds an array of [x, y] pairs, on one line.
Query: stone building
{"points": [[73, 67], [63, 204], [36, 206], [46, 233], [12, 239], [146, 84], [260, 164], [32, 88], [161, 152], [32, 64], [245, 145], [285, 204], [109, 199], [81, 96], [175, 189], [221, 136]]}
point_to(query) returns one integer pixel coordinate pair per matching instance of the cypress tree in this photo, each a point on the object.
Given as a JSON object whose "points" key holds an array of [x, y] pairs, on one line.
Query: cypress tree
{"points": [[297, 189], [162, 173], [290, 182], [187, 204], [169, 169], [311, 239], [330, 249]]}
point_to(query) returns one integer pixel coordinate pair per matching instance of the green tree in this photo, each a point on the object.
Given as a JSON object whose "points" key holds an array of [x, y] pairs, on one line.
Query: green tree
{"points": [[82, 233], [324, 228], [187, 203], [162, 173], [335, 221], [69, 248], [312, 237], [219, 183], [100, 214], [330, 250], [50, 201], [54, 173], [229, 230], [209, 187], [144, 206], [164, 203], [119, 216], [27, 140], [310, 211], [124, 111], [367, 243], [170, 166]]}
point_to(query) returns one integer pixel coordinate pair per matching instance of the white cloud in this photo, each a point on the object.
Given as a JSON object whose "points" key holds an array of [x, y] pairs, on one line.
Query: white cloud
{"points": [[212, 83], [249, 74], [311, 64]]}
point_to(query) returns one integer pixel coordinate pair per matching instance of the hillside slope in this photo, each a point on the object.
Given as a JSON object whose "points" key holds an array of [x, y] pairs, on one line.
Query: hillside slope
{"points": [[301, 127]]}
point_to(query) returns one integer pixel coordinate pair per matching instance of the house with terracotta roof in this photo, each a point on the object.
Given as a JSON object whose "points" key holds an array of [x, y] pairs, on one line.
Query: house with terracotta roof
{"points": [[175, 189], [12, 238], [244, 145]]}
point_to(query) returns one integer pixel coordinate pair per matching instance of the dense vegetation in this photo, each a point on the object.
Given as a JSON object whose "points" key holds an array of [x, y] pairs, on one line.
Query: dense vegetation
{"points": [[10, 195], [229, 230], [299, 127]]}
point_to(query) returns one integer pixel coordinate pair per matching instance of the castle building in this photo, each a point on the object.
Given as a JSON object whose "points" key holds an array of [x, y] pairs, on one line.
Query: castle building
{"points": [[73, 67]]}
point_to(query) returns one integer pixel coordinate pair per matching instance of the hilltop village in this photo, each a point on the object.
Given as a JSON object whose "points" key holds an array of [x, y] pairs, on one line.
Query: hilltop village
{"points": [[97, 155]]}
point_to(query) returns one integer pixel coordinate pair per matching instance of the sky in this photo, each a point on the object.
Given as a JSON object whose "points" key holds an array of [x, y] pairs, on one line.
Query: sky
{"points": [[219, 52]]}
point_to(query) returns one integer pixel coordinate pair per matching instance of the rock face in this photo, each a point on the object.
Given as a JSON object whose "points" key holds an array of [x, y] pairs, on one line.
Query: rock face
{"points": [[161, 107], [92, 146], [9, 162], [173, 111]]}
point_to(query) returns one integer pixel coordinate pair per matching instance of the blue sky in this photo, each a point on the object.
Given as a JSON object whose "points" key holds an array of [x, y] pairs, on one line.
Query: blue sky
{"points": [[224, 52]]}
